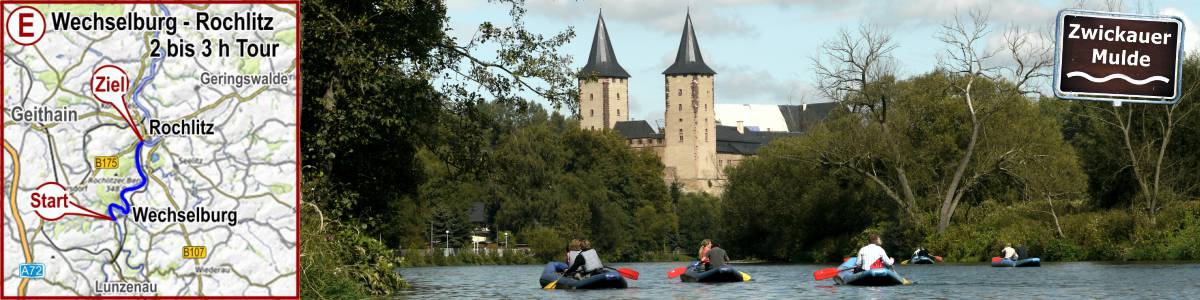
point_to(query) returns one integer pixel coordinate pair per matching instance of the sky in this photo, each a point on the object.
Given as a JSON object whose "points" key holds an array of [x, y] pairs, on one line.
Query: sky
{"points": [[763, 50]]}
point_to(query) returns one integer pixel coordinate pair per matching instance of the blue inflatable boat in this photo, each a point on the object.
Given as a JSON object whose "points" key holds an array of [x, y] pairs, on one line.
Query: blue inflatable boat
{"points": [[607, 279], [873, 277], [725, 273], [921, 260], [1028, 262]]}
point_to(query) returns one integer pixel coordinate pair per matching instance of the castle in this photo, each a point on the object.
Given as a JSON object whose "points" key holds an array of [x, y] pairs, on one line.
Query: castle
{"points": [[697, 140]]}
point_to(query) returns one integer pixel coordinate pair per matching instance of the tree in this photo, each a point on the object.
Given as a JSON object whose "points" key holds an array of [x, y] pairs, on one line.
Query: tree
{"points": [[1146, 140], [857, 70], [699, 218], [379, 75]]}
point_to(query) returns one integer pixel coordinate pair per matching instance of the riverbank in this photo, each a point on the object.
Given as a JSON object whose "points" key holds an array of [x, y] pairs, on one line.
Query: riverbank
{"points": [[423, 258]]}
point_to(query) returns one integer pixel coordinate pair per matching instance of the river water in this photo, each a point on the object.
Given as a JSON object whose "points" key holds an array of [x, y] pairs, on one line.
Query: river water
{"points": [[1051, 281]]}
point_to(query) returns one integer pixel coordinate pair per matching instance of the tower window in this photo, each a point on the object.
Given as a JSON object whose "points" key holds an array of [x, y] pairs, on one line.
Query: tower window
{"points": [[590, 97], [680, 120], [681, 107], [618, 112], [618, 96], [681, 134], [706, 134], [591, 112], [680, 92]]}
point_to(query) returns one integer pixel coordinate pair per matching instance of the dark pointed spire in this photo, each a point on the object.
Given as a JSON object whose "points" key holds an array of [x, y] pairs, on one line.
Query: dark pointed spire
{"points": [[602, 62], [689, 60]]}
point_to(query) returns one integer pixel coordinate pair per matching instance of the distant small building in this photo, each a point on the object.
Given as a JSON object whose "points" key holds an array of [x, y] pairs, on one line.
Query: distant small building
{"points": [[481, 235], [699, 138]]}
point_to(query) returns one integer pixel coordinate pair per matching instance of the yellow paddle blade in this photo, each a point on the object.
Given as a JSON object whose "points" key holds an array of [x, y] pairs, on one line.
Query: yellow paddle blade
{"points": [[745, 277], [905, 281], [551, 285], [905, 262]]}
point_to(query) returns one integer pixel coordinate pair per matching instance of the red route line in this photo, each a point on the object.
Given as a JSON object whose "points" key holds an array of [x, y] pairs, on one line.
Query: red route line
{"points": [[298, 156]]}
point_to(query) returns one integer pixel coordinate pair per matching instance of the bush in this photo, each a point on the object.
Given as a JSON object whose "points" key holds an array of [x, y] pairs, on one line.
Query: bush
{"points": [[546, 243], [337, 260]]}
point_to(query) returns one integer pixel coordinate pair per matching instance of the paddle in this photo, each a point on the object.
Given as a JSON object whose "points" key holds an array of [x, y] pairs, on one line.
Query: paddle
{"points": [[676, 272], [903, 280], [826, 273], [553, 283], [626, 272], [995, 259], [905, 262], [745, 277], [938, 258]]}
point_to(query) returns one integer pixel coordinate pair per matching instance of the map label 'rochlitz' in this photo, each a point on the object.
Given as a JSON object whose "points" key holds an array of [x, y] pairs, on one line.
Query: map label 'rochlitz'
{"points": [[182, 127]]}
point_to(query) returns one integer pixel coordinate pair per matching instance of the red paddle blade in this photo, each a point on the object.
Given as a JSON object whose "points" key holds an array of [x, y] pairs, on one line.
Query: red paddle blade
{"points": [[676, 272], [844, 259], [995, 259], [938, 258], [628, 273], [826, 273]]}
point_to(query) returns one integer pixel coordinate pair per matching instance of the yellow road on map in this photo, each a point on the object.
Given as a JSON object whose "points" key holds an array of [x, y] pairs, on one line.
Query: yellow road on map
{"points": [[12, 202]]}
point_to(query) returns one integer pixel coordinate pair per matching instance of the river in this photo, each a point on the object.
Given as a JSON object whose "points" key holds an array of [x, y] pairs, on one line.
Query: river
{"points": [[1084, 280]]}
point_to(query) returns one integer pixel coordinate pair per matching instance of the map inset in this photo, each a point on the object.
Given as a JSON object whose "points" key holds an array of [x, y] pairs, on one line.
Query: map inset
{"points": [[150, 150]]}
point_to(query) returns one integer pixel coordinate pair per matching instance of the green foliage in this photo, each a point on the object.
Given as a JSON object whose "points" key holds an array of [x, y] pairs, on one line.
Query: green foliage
{"points": [[841, 179], [776, 206], [699, 219], [1091, 235], [536, 170], [339, 260], [546, 242], [416, 258], [378, 104], [1161, 145]]}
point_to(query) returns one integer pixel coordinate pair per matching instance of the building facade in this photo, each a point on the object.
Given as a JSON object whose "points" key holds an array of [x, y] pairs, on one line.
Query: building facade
{"points": [[694, 144], [603, 85]]}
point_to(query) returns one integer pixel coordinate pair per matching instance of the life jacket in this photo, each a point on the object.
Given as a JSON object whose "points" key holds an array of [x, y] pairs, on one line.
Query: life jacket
{"points": [[571, 257], [878, 264], [591, 261]]}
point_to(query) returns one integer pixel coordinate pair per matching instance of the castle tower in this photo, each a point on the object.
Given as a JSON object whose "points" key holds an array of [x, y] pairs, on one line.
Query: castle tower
{"points": [[690, 132], [603, 85]]}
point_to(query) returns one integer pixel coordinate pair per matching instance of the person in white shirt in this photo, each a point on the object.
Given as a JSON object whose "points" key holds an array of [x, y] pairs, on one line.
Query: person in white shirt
{"points": [[872, 252], [1009, 252]]}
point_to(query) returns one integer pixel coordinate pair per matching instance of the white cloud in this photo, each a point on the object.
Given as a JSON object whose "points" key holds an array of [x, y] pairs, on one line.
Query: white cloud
{"points": [[745, 84], [1191, 38], [663, 17]]}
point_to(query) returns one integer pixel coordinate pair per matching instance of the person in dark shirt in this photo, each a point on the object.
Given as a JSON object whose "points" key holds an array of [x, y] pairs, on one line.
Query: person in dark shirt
{"points": [[716, 257]]}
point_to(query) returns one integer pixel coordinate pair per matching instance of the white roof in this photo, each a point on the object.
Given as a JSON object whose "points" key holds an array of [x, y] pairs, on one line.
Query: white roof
{"points": [[766, 117]]}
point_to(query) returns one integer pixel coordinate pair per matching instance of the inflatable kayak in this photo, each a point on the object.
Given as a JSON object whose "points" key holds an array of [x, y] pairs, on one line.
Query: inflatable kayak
{"points": [[921, 260], [722, 274], [1028, 262], [608, 279], [873, 277]]}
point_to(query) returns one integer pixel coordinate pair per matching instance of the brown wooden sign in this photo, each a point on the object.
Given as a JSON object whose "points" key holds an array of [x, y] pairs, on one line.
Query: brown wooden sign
{"points": [[1118, 57]]}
